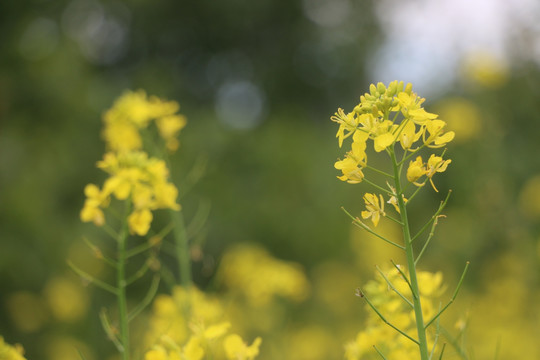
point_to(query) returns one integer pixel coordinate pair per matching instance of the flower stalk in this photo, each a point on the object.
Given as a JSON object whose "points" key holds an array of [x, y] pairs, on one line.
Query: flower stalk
{"points": [[377, 119], [411, 264]]}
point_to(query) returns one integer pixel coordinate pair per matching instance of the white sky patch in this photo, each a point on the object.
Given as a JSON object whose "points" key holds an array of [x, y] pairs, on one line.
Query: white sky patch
{"points": [[426, 40]]}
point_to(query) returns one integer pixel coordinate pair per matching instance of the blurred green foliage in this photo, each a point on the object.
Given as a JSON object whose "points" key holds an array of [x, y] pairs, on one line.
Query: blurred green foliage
{"points": [[269, 179]]}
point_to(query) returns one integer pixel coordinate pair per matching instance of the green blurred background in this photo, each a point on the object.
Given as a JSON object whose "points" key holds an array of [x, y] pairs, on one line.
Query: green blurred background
{"points": [[258, 82]]}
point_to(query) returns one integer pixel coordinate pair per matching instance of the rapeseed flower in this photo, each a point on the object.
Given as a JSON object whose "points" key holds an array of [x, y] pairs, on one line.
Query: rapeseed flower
{"points": [[133, 176], [416, 170], [355, 160], [236, 349], [132, 112], [389, 303], [435, 164], [376, 118], [11, 352], [374, 208], [253, 273], [188, 325]]}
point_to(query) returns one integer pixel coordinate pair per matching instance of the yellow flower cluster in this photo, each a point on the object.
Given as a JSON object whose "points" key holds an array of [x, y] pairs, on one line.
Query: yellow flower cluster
{"points": [[9, 352], [174, 335], [393, 345], [133, 175], [376, 118], [258, 276], [134, 111]]}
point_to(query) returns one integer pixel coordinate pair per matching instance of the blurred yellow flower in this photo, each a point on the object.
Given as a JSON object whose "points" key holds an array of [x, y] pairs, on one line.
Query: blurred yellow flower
{"points": [[168, 127], [462, 115], [67, 298], [236, 349], [529, 198], [11, 352], [259, 277], [485, 69], [132, 112], [392, 344], [92, 205], [27, 311], [136, 176]]}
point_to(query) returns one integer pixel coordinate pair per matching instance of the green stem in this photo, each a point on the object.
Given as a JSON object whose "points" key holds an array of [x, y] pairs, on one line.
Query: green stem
{"points": [[422, 339], [378, 187], [182, 248], [121, 285]]}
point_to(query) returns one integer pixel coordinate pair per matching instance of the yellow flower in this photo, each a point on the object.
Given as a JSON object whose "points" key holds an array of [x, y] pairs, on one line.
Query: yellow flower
{"points": [[94, 200], [159, 353], [236, 349], [354, 160], [437, 138], [132, 112], [139, 222], [411, 107], [193, 349], [376, 333], [9, 352], [347, 123], [416, 170], [374, 208], [393, 201], [121, 135], [383, 141], [169, 127], [408, 135], [134, 176], [436, 164]]}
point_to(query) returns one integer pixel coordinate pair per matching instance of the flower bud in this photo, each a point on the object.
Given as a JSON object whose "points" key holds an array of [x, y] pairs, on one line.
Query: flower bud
{"points": [[381, 88], [408, 88]]}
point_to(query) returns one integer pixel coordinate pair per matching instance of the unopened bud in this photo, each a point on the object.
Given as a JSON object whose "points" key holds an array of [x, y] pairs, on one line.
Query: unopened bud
{"points": [[408, 88], [381, 88], [373, 90]]}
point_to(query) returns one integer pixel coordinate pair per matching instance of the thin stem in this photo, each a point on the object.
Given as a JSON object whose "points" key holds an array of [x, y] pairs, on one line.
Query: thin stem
{"points": [[379, 171], [111, 333], [454, 344], [414, 152], [422, 339], [139, 273], [122, 284], [414, 294], [386, 321], [380, 188], [430, 236], [360, 224], [379, 352], [182, 248], [99, 254], [90, 278], [147, 299], [441, 207], [442, 351], [393, 219], [394, 288], [418, 188], [453, 296], [437, 334]]}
